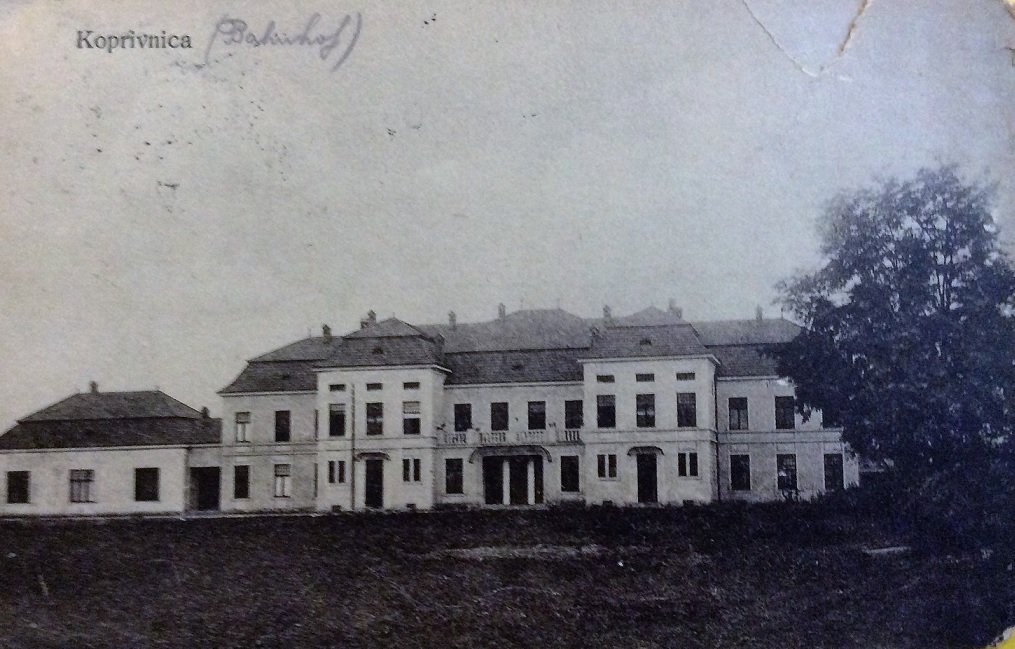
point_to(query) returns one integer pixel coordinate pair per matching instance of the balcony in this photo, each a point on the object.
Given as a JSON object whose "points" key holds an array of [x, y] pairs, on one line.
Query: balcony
{"points": [[509, 438]]}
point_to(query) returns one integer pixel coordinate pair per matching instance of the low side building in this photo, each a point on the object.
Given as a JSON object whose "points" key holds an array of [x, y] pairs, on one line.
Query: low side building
{"points": [[110, 453]]}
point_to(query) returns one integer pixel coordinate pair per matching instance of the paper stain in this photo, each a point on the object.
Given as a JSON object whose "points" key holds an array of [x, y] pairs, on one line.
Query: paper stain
{"points": [[847, 40]]}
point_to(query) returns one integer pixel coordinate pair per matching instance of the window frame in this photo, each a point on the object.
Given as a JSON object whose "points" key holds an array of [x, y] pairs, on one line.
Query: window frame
{"points": [[574, 414], [283, 426], [570, 474], [145, 492], [412, 469], [373, 418], [283, 480], [462, 417], [26, 488], [606, 466], [606, 404], [81, 481], [687, 464], [735, 460], [841, 469], [536, 411], [683, 414], [454, 476], [238, 493], [336, 416], [645, 410], [242, 426], [500, 421], [785, 406], [743, 417], [412, 418]]}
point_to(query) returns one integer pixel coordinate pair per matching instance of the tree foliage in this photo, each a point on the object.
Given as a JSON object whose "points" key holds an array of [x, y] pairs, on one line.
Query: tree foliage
{"points": [[909, 342]]}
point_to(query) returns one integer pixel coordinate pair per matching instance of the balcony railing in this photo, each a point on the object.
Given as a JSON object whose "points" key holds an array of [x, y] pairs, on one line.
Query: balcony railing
{"points": [[503, 437]]}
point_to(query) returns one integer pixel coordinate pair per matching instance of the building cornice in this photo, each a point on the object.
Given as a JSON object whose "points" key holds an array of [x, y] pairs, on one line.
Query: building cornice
{"points": [[628, 359], [508, 384], [264, 393]]}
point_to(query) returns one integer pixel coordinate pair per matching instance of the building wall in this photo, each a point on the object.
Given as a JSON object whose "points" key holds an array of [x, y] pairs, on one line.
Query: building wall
{"points": [[113, 488], [517, 396], [760, 393]]}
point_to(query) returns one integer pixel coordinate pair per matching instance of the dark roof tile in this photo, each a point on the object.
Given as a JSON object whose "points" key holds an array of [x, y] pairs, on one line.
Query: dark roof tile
{"points": [[99, 433], [114, 405]]}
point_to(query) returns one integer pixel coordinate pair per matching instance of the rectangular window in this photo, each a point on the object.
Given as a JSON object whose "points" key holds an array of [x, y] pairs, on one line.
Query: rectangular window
{"points": [[605, 378], [738, 413], [687, 410], [644, 378], [463, 416], [283, 425], [453, 479], [410, 418], [243, 427], [499, 415], [645, 412], [146, 485], [81, 481], [283, 480], [606, 411], [607, 466], [785, 417], [412, 470], [574, 418], [18, 487], [569, 474], [740, 472], [785, 466], [833, 472], [373, 387], [687, 465], [410, 385], [685, 376], [375, 418], [537, 415], [336, 420], [241, 481], [336, 387], [336, 471]]}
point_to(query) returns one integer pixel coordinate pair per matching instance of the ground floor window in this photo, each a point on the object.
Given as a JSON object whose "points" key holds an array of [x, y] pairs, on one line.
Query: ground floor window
{"points": [[687, 465], [17, 487], [412, 470], [146, 485], [833, 472], [283, 480], [453, 478], [336, 471], [740, 472], [81, 485], [607, 466], [786, 472], [241, 481], [569, 474]]}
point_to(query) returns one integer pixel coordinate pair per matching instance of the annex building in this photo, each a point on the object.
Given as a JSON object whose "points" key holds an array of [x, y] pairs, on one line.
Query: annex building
{"points": [[533, 407]]}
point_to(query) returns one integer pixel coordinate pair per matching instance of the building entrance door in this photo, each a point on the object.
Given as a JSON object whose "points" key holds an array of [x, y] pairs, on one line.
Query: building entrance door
{"points": [[648, 490], [374, 490], [204, 488], [493, 480], [513, 480]]}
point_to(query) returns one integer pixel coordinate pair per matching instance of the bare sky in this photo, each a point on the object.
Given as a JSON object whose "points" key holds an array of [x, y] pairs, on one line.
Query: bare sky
{"points": [[161, 220]]}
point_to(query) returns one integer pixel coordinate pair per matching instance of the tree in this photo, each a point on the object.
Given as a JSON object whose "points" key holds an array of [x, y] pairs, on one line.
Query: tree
{"points": [[909, 339]]}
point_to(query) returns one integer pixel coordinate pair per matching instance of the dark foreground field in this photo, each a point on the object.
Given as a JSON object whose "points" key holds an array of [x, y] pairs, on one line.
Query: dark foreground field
{"points": [[791, 576]]}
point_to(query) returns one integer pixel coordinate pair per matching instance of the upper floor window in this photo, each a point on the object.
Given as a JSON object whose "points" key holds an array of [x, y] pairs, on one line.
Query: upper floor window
{"points": [[372, 387], [606, 411], [687, 410], [410, 385], [685, 376], [645, 414], [336, 387], [17, 487], [375, 418], [499, 415], [605, 378], [644, 378], [537, 415], [738, 413], [81, 481], [243, 427], [410, 418], [283, 425], [785, 416], [573, 415], [463, 416], [336, 420]]}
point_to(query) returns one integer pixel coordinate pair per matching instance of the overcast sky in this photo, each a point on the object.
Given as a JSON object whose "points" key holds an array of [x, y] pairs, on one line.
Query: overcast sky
{"points": [[162, 220]]}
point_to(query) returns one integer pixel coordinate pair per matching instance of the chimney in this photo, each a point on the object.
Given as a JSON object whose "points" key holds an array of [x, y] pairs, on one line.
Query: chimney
{"points": [[452, 320], [759, 315], [607, 315], [675, 310], [204, 412], [327, 333], [501, 310], [94, 387], [371, 318]]}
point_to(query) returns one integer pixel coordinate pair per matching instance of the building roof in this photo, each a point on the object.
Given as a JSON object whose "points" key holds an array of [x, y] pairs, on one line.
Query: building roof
{"points": [[528, 366], [103, 419], [646, 341], [544, 344], [114, 405]]}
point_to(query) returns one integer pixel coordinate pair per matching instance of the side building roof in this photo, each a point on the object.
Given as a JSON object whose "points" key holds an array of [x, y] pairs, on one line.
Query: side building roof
{"points": [[106, 419]]}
